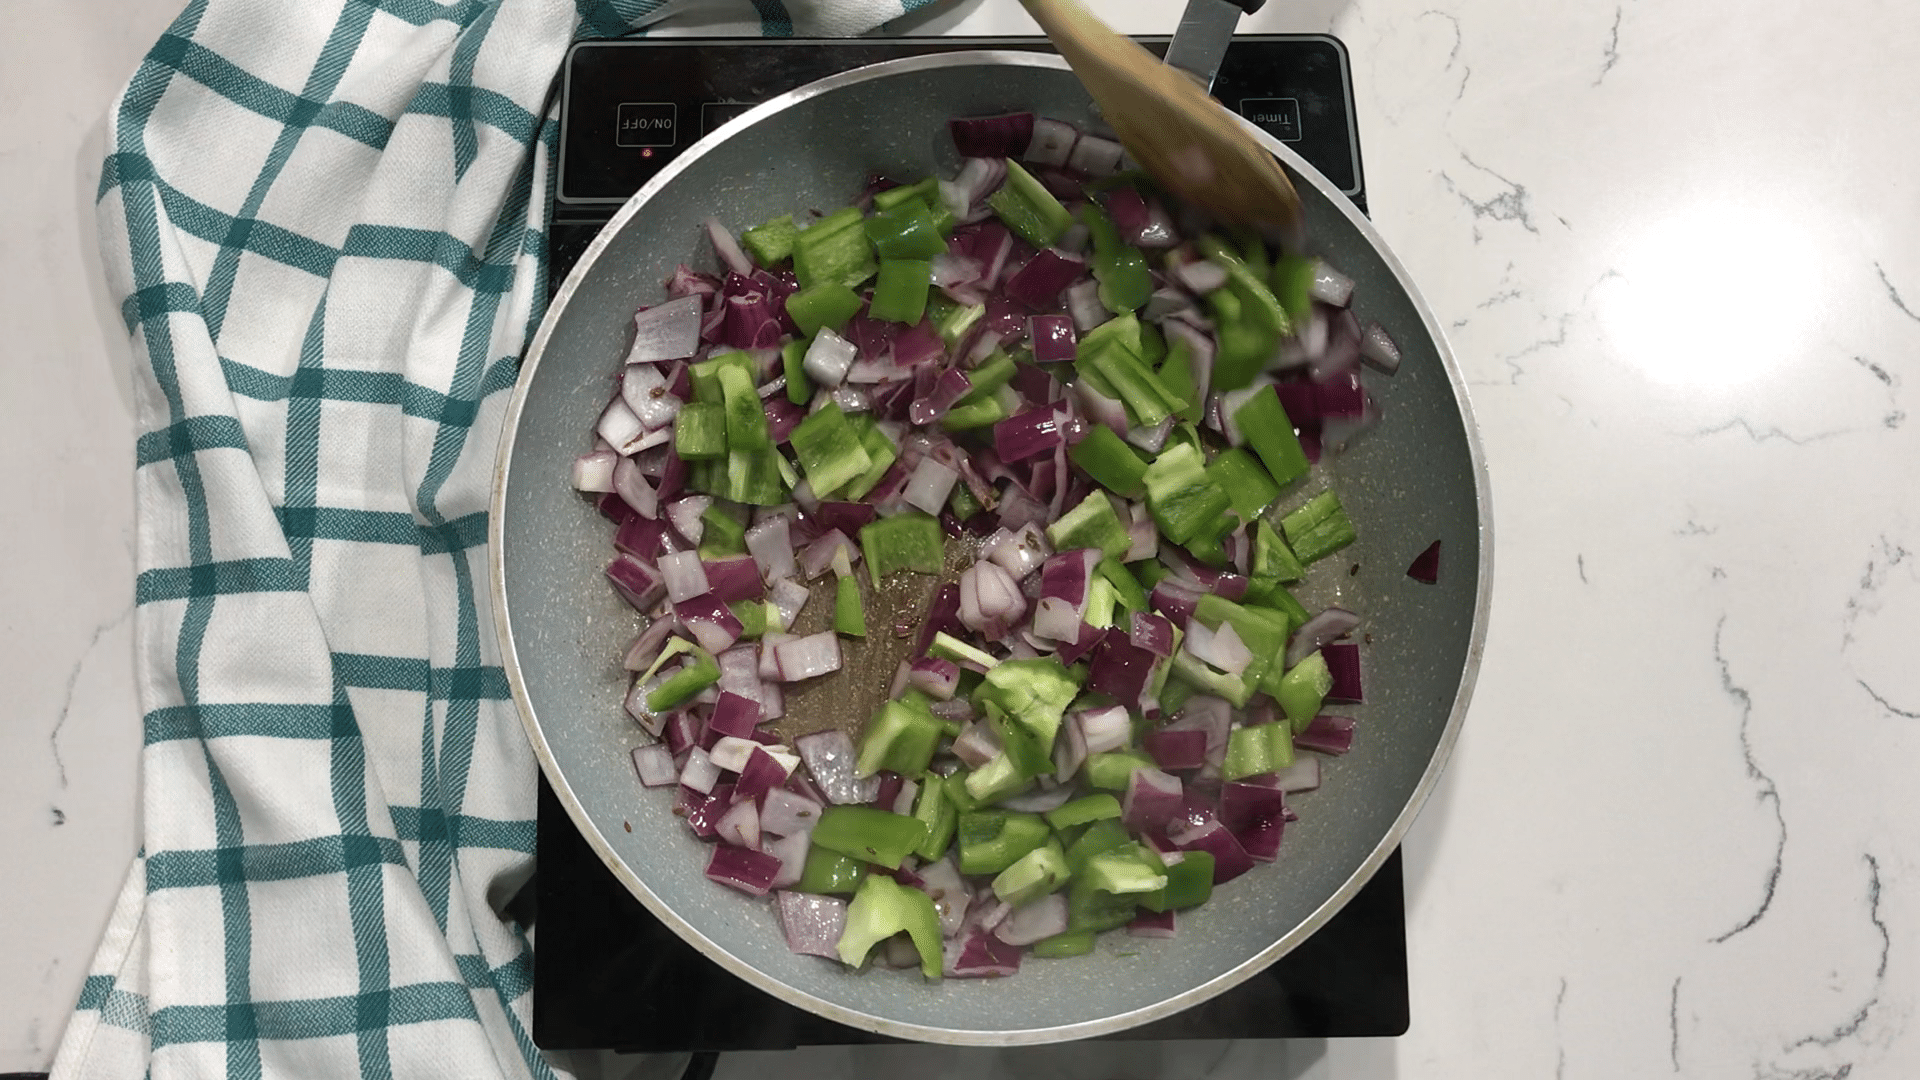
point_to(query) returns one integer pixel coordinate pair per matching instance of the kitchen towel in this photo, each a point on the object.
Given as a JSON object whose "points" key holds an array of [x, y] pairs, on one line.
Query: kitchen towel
{"points": [[325, 224]]}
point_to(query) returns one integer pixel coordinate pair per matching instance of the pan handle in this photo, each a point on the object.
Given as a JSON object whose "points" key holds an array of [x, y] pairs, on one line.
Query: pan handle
{"points": [[1201, 40]]}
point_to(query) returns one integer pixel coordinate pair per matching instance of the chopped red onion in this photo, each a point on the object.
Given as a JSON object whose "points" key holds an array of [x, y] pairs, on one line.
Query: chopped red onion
{"points": [[1328, 626], [1035, 921], [621, 429], [1119, 670], [734, 715], [1302, 775], [978, 954], [725, 246], [638, 583], [1425, 567], [790, 850], [789, 598], [1220, 649], [634, 489], [751, 871], [1107, 729], [948, 270], [1230, 860], [829, 358], [1152, 799], [934, 677], [818, 556], [941, 880], [1151, 439], [1018, 552], [976, 744], [1142, 532], [1095, 156], [990, 599], [1377, 349], [653, 764], [1175, 599], [702, 812], [930, 484], [1028, 434], [594, 472], [771, 543], [1084, 304], [646, 646], [734, 578], [669, 331], [786, 813], [1038, 800], [1052, 337], [830, 760], [1182, 750], [950, 387], [1327, 735], [713, 626], [1069, 749], [686, 516], [1152, 924], [1210, 715], [1343, 661], [1201, 276], [740, 825], [1330, 286], [1100, 408], [699, 773], [1039, 284], [807, 657], [1051, 143], [1152, 632], [813, 924], [730, 753], [1165, 302], [1002, 136], [683, 732]]}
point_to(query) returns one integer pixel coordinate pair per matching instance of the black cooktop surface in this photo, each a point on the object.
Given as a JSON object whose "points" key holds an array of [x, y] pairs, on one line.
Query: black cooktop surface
{"points": [[607, 973]]}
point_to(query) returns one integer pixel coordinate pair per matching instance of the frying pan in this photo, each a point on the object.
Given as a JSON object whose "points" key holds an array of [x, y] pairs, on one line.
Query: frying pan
{"points": [[1418, 477]]}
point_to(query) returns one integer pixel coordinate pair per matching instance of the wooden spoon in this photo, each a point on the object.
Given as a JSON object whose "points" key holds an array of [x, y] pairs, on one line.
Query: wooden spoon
{"points": [[1188, 142]]}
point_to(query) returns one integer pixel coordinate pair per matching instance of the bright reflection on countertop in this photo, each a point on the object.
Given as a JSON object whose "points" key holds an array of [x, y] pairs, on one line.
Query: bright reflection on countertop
{"points": [[1718, 295]]}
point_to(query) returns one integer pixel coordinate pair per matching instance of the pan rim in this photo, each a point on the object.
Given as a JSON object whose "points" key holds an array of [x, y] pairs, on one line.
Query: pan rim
{"points": [[576, 811]]}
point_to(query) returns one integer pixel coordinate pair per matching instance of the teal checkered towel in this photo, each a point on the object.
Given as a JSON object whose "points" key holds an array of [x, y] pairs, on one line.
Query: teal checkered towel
{"points": [[325, 222]]}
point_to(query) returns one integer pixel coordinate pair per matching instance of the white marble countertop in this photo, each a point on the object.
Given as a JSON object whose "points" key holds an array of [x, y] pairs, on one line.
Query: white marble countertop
{"points": [[1675, 245]]}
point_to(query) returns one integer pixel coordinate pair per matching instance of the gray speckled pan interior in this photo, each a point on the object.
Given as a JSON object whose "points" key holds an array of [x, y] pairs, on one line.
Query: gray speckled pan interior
{"points": [[1417, 478]]}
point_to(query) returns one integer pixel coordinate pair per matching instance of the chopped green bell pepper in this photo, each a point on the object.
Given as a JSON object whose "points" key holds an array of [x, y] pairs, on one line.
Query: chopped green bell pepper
{"points": [[833, 250], [882, 908], [1318, 529], [680, 687], [1189, 884], [1303, 688], [933, 807], [1176, 374], [992, 840], [829, 449], [1092, 524], [705, 375], [1126, 588], [927, 191], [1121, 270], [1086, 809], [985, 380], [947, 647], [1110, 771], [904, 230], [773, 241], [849, 617], [721, 533], [900, 737], [876, 836], [1292, 279], [793, 356], [1272, 558], [900, 294], [910, 541], [1244, 480], [1256, 750], [700, 431], [1180, 496], [1032, 876], [1029, 209], [1035, 691], [829, 304], [1263, 422], [1111, 463], [997, 779], [830, 873], [1133, 868], [881, 454], [954, 323], [1061, 946], [746, 413]]}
